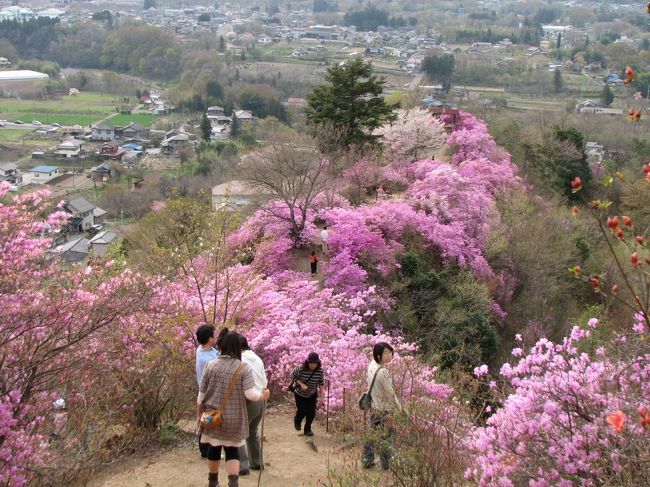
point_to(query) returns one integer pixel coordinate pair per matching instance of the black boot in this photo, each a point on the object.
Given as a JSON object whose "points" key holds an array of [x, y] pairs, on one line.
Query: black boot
{"points": [[213, 479], [233, 480]]}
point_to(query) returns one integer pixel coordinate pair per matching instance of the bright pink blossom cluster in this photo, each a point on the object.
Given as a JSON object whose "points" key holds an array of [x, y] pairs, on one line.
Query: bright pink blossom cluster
{"points": [[565, 421]]}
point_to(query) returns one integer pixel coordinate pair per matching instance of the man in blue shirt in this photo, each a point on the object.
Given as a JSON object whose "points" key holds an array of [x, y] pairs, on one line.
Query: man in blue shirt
{"points": [[205, 352]]}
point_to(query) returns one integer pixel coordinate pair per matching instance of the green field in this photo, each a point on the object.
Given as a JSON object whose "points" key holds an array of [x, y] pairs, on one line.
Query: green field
{"points": [[82, 109], [143, 119], [12, 135], [47, 118]]}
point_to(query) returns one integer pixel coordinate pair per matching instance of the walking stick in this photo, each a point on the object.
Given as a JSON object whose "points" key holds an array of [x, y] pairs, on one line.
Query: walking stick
{"points": [[259, 478]]}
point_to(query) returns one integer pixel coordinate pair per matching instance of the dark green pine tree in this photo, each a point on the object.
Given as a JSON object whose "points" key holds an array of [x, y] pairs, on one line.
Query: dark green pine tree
{"points": [[222, 44], [607, 97], [350, 104], [558, 82], [206, 127], [235, 127]]}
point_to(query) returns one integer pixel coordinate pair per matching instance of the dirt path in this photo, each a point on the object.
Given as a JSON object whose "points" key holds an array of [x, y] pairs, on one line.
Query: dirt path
{"points": [[289, 461]]}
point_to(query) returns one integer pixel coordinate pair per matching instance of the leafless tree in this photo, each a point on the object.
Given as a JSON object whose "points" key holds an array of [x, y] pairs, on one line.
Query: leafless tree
{"points": [[294, 172]]}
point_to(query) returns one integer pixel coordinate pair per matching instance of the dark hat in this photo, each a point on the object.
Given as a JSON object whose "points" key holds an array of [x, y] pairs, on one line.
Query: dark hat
{"points": [[313, 358]]}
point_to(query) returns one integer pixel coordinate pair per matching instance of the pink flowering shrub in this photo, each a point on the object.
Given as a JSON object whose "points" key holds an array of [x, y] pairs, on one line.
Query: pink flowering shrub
{"points": [[49, 318], [573, 418]]}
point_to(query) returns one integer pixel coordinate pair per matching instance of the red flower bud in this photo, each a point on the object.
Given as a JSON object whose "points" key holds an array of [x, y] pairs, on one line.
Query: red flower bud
{"points": [[629, 71], [619, 234], [575, 211], [646, 168], [615, 289], [639, 240], [612, 222], [627, 221], [634, 259], [576, 184], [595, 282]]}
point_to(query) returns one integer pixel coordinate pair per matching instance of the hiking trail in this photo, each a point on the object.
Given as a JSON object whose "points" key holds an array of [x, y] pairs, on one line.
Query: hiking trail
{"points": [[290, 460]]}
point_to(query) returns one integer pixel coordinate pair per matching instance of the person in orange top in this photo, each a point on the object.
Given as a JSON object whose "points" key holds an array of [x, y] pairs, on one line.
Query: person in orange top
{"points": [[313, 260]]}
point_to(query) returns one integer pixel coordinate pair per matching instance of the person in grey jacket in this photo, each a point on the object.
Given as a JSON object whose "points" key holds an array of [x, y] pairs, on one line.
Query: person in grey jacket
{"points": [[383, 403]]}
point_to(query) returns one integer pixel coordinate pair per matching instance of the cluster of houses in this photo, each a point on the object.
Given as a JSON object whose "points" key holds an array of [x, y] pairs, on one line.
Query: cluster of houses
{"points": [[221, 124], [72, 245]]}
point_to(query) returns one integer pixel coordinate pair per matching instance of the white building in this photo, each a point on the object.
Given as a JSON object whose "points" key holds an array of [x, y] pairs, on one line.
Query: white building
{"points": [[43, 174]]}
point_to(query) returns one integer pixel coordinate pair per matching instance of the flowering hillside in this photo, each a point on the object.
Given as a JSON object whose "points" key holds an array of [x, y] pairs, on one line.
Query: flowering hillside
{"points": [[87, 351]]}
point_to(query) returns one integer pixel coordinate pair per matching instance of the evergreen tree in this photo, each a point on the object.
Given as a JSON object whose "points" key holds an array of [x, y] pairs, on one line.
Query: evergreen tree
{"points": [[559, 41], [206, 127], [558, 82], [222, 44], [607, 97], [351, 103], [235, 127]]}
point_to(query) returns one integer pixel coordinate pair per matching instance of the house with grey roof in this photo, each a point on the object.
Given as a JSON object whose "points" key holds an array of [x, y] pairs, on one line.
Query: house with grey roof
{"points": [[10, 173], [74, 250], [100, 243], [103, 132], [82, 214]]}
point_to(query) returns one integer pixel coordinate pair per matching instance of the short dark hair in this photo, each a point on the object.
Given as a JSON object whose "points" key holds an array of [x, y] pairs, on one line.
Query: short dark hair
{"points": [[243, 342], [378, 350], [230, 345], [204, 333], [222, 333]]}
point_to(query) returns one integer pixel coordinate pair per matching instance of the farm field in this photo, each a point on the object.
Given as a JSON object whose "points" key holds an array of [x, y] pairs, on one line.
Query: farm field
{"points": [[10, 136], [143, 119], [82, 109], [48, 118]]}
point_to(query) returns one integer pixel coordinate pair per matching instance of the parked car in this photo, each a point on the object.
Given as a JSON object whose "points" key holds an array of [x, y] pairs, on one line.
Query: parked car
{"points": [[3, 121], [2, 124], [57, 125], [19, 122], [37, 123]]}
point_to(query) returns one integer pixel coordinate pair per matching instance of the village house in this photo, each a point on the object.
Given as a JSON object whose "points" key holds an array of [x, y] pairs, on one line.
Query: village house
{"points": [[131, 131], [175, 143], [214, 112], [70, 148], [81, 210], [103, 132], [43, 174], [74, 250], [100, 243], [103, 172], [111, 150], [10, 173], [244, 117]]}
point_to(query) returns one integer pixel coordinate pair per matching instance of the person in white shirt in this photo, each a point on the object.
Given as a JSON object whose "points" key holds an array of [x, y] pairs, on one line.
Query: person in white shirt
{"points": [[324, 236], [383, 403], [250, 456]]}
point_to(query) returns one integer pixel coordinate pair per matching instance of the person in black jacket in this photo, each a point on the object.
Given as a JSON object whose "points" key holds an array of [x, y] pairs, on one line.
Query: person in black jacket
{"points": [[306, 378]]}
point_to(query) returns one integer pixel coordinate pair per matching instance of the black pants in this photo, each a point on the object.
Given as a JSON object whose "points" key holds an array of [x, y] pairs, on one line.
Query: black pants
{"points": [[382, 435], [306, 408], [314, 267]]}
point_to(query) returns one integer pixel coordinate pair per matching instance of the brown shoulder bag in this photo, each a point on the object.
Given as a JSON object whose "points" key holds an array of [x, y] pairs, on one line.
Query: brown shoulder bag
{"points": [[212, 419]]}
